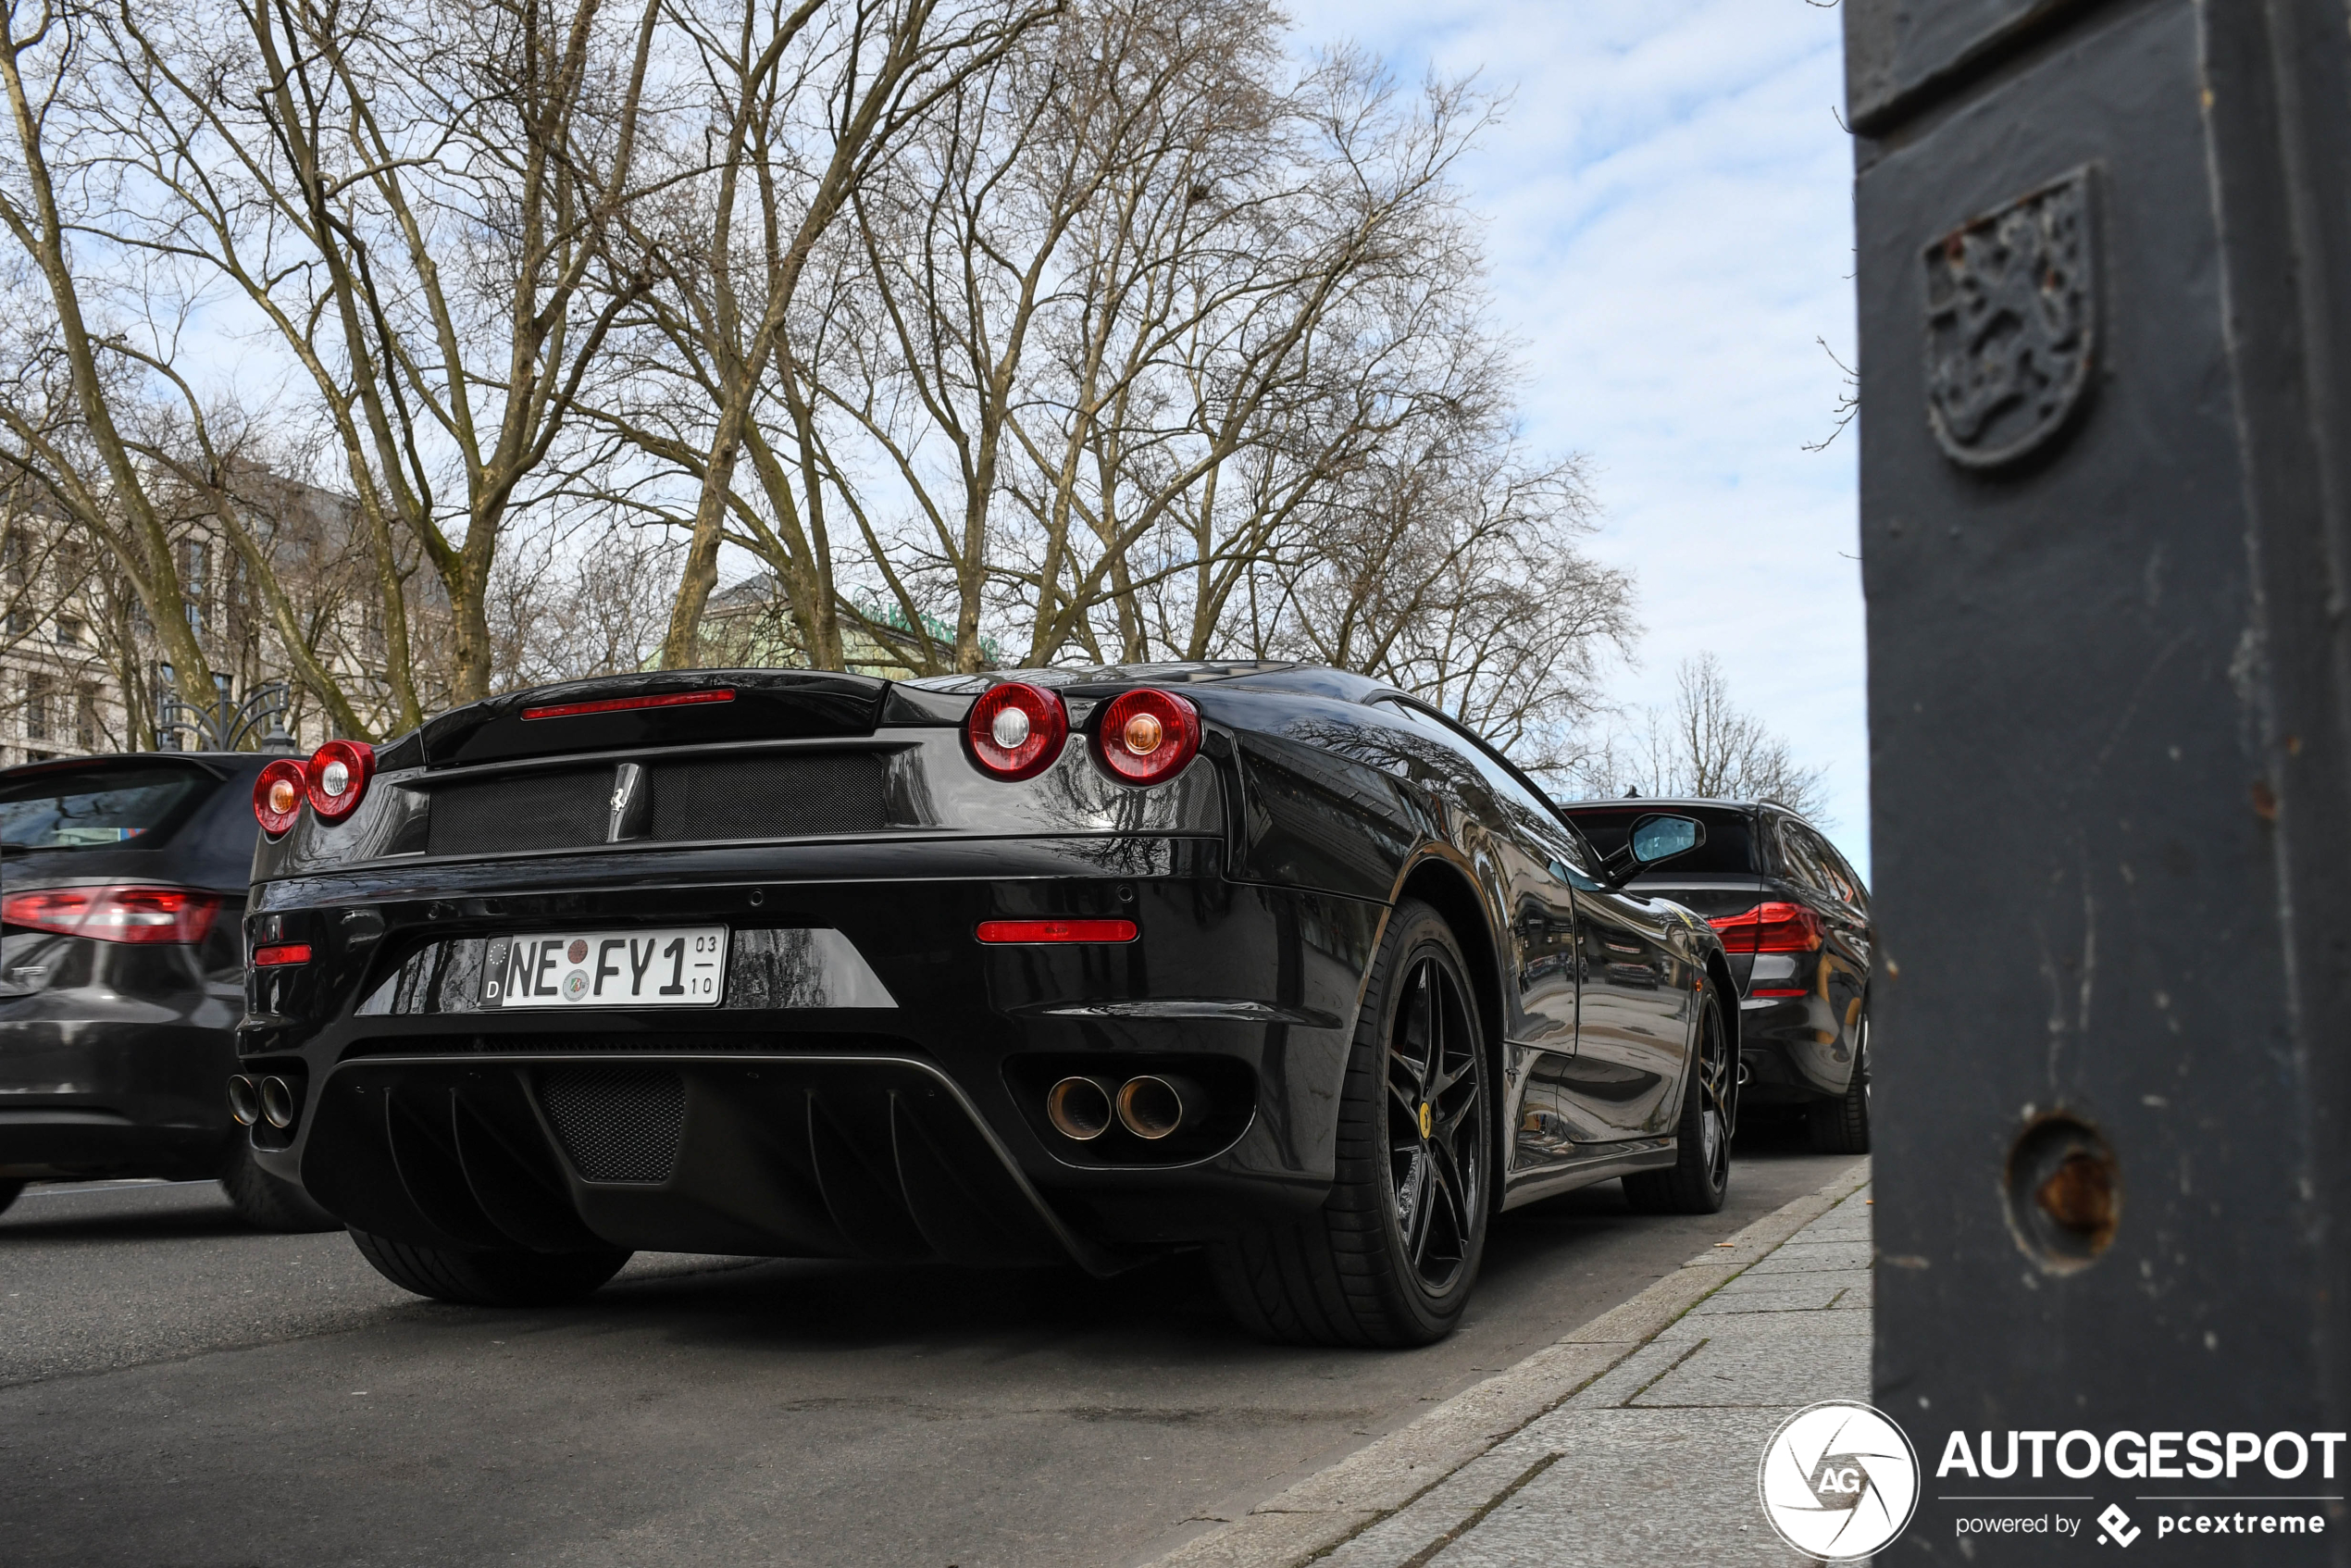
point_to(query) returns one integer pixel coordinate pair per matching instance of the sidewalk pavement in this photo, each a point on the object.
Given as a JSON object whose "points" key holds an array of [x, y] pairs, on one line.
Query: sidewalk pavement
{"points": [[1634, 1441]]}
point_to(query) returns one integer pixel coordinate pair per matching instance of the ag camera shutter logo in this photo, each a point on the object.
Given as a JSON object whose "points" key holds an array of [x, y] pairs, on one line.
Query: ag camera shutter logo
{"points": [[1839, 1480]]}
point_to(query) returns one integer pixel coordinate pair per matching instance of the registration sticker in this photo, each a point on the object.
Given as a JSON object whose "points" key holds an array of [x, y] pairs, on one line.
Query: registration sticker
{"points": [[684, 966]]}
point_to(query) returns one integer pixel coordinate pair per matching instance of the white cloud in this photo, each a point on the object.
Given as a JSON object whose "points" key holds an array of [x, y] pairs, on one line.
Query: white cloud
{"points": [[1669, 228]]}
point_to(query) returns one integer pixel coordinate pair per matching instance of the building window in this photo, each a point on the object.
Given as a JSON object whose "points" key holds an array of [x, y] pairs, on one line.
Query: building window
{"points": [[36, 706], [195, 579], [15, 581], [70, 631]]}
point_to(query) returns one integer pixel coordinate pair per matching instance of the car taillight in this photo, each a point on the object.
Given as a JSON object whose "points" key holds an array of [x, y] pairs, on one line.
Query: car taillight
{"points": [[1032, 932], [1770, 927], [1015, 730], [338, 774], [116, 913], [1148, 735], [277, 795]]}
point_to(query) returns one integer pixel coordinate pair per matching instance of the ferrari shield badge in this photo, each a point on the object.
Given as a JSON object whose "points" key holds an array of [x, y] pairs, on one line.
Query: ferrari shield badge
{"points": [[2011, 324]]}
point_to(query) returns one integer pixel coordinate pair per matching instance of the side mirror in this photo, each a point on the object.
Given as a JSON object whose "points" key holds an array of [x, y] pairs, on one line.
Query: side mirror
{"points": [[1655, 838]]}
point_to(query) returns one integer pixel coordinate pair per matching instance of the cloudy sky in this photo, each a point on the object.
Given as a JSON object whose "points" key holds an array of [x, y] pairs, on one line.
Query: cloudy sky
{"points": [[1670, 231]]}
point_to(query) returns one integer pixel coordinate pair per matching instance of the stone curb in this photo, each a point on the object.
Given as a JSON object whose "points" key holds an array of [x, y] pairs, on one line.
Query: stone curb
{"points": [[1319, 1513]]}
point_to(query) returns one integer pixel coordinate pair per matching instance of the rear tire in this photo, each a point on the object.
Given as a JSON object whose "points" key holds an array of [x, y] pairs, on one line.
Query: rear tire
{"points": [[1392, 1257], [264, 1202], [515, 1278], [1841, 1125], [9, 1192], [1699, 1177]]}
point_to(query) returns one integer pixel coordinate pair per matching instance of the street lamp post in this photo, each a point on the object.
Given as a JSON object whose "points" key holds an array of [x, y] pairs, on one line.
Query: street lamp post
{"points": [[228, 724]]}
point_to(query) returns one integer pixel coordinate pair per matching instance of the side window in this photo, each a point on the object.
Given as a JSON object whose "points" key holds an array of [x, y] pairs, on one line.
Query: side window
{"points": [[1824, 868], [1855, 894], [1536, 817], [1797, 859]]}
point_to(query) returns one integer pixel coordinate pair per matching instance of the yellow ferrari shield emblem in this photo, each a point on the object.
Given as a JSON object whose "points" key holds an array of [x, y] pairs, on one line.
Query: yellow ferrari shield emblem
{"points": [[1423, 1118]]}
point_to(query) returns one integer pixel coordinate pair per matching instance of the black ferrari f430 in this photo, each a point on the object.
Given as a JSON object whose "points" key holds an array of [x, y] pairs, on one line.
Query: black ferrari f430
{"points": [[1072, 965]]}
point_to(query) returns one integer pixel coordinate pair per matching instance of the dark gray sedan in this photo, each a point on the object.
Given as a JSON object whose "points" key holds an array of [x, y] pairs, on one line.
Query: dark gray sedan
{"points": [[122, 896]]}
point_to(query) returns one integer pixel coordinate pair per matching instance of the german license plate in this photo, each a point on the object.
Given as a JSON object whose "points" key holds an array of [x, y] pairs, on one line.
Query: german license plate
{"points": [[683, 966]]}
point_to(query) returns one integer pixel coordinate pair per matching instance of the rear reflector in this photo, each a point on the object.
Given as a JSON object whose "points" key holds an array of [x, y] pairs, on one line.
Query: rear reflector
{"points": [[115, 915], [1799, 991], [1057, 930], [626, 704], [284, 953]]}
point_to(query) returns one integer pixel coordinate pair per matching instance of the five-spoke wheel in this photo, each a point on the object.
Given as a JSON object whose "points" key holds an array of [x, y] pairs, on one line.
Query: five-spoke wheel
{"points": [[1436, 1106], [1392, 1256]]}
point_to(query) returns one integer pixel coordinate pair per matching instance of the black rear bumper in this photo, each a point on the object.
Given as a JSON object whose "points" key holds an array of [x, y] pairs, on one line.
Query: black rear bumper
{"points": [[1793, 1049], [761, 1153], [779, 1124], [93, 1098]]}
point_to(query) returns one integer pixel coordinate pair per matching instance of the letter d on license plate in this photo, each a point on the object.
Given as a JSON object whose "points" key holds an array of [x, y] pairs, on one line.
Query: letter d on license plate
{"points": [[684, 966]]}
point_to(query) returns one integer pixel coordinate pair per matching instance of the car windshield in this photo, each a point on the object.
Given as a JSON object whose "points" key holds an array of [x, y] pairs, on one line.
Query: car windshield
{"points": [[1726, 850], [90, 807]]}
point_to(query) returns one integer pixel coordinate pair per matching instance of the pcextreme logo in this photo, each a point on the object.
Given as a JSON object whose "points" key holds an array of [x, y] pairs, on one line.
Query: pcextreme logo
{"points": [[1839, 1480]]}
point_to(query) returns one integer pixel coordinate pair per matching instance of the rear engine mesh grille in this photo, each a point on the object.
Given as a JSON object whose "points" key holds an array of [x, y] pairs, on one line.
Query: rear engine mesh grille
{"points": [[769, 797], [709, 798], [616, 1124], [530, 811]]}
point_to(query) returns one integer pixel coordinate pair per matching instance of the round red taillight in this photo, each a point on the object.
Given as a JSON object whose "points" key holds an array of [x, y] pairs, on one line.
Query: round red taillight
{"points": [[1015, 730], [338, 772], [1148, 735], [277, 795]]}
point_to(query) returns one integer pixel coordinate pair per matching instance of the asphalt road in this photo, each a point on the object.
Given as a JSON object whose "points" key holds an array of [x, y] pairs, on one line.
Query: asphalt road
{"points": [[177, 1391]]}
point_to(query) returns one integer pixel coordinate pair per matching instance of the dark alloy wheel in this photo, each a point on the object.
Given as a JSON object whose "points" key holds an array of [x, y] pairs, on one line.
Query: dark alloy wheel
{"points": [[1699, 1177], [1436, 1112], [1394, 1254]]}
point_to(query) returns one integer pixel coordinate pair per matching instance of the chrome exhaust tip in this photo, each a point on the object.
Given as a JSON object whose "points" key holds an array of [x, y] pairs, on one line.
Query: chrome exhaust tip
{"points": [[1079, 1109], [244, 1100], [278, 1103], [1152, 1107]]}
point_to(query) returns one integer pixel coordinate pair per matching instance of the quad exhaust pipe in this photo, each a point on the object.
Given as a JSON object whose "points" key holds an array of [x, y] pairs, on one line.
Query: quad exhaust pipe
{"points": [[1152, 1107], [254, 1101], [1079, 1109]]}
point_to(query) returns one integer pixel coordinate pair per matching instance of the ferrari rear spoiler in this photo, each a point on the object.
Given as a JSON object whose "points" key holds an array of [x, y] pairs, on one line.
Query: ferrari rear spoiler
{"points": [[661, 708]]}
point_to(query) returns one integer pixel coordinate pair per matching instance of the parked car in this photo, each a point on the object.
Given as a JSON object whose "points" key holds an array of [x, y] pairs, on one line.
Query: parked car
{"points": [[1794, 919], [122, 895], [1056, 965]]}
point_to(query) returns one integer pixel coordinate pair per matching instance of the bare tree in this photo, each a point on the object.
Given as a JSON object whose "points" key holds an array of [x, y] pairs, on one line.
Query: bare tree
{"points": [[993, 331], [1450, 568], [1708, 747], [64, 373], [401, 202], [800, 107], [999, 245], [588, 600], [1261, 307]]}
